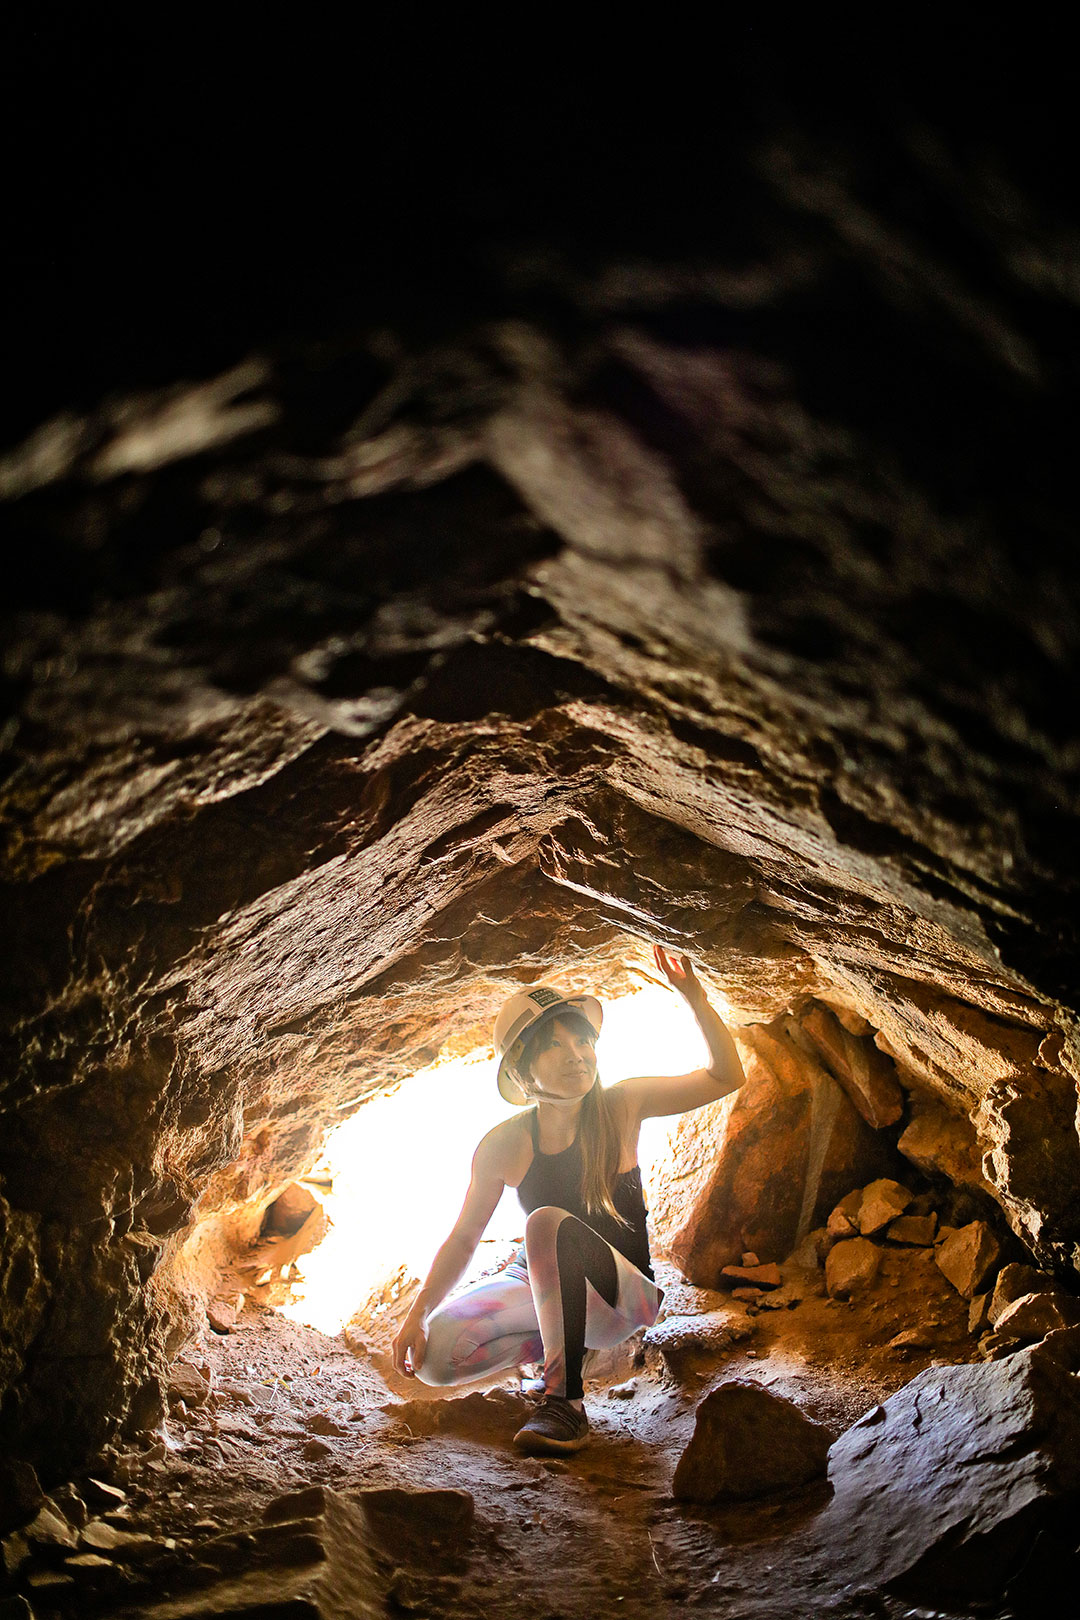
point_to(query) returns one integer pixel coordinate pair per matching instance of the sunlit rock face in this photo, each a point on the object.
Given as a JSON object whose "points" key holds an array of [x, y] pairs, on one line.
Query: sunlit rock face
{"points": [[707, 601]]}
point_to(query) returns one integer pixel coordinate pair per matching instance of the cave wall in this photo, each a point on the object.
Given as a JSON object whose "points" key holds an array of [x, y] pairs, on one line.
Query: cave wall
{"points": [[714, 588]]}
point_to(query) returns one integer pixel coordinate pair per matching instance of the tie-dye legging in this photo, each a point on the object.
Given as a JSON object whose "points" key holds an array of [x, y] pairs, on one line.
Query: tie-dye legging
{"points": [[576, 1293]]}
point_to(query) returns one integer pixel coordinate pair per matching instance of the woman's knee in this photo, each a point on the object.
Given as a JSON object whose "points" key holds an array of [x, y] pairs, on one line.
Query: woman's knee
{"points": [[437, 1367], [542, 1226]]}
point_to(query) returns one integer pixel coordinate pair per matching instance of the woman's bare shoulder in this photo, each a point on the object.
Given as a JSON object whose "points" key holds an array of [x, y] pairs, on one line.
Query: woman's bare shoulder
{"points": [[627, 1122], [622, 1101], [506, 1150]]}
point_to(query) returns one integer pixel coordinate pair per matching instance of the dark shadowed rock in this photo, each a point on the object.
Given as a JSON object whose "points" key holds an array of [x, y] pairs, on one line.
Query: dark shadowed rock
{"points": [[49, 1529], [946, 1485], [67, 1501], [307, 1503], [311, 1556], [20, 1493], [756, 1276], [746, 1443], [14, 1553], [102, 1495], [15, 1607], [421, 1528]]}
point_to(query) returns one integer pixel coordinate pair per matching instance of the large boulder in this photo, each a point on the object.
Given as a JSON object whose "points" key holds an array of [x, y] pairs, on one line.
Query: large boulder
{"points": [[947, 1484], [748, 1442], [758, 1170]]}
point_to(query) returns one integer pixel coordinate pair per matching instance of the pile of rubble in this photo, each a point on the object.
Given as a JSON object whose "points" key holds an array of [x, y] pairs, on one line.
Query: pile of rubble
{"points": [[324, 1552], [78, 1544], [1011, 1303]]}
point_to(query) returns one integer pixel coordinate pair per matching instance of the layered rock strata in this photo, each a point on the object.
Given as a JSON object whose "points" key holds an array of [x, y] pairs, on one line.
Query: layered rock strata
{"points": [[361, 681]]}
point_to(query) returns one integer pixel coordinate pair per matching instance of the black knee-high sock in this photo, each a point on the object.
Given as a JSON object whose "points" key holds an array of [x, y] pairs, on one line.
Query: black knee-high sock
{"points": [[581, 1256]]}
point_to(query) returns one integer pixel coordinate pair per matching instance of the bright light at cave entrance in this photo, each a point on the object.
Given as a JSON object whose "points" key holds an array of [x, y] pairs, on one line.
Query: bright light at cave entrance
{"points": [[401, 1164]]}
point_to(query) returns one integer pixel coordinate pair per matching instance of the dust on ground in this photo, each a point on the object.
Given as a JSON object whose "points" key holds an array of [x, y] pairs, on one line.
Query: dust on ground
{"points": [[596, 1532]]}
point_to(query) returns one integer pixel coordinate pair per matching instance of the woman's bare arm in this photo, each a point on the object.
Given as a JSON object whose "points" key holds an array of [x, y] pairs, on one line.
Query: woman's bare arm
{"points": [[650, 1095], [453, 1256]]}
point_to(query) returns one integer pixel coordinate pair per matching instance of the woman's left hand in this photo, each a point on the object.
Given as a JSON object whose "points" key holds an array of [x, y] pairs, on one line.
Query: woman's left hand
{"points": [[679, 974]]}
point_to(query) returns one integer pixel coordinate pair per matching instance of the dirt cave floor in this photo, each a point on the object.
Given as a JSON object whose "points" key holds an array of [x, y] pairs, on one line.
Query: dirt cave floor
{"points": [[595, 1533]]}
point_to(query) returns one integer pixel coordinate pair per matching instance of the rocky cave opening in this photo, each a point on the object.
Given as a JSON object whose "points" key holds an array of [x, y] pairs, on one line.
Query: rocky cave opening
{"points": [[703, 582]]}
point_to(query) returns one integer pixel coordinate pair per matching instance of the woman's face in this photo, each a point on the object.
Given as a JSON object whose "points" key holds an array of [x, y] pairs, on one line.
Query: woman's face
{"points": [[566, 1067]]}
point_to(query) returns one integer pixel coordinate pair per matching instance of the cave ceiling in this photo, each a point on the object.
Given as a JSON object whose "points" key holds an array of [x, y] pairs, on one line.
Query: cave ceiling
{"points": [[724, 599]]}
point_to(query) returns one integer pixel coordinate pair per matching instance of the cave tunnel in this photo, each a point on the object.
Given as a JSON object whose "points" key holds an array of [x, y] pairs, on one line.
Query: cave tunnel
{"points": [[589, 568]]}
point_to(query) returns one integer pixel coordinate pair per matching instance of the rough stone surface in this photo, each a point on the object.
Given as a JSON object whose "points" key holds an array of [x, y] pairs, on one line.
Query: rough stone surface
{"points": [[746, 1443], [947, 1484], [1033, 1316], [979, 1318], [753, 1276], [967, 1257], [851, 1266], [49, 1528], [20, 1492], [578, 589], [221, 1316], [881, 1203], [943, 1143], [187, 1384], [866, 1074], [410, 1524], [918, 1230], [1012, 1283], [756, 1171], [843, 1220], [312, 1557]]}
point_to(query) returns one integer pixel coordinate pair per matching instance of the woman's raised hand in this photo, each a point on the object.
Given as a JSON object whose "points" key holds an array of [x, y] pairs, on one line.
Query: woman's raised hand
{"points": [[679, 974], [411, 1338]]}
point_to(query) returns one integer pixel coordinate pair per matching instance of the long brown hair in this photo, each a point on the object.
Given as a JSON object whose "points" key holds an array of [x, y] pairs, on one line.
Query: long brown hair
{"points": [[598, 1126]]}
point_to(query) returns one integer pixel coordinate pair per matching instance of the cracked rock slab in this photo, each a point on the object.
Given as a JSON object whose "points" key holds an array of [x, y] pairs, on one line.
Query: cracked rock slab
{"points": [[946, 1484]]}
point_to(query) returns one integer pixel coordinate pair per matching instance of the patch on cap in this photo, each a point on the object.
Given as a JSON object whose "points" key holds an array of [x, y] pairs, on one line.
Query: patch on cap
{"points": [[543, 997]]}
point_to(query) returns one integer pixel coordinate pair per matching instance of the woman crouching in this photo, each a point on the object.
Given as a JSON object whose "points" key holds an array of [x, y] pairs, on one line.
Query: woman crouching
{"points": [[572, 1156]]}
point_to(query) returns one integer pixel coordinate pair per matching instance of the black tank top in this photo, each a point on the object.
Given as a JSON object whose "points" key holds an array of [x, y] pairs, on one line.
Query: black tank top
{"points": [[555, 1178]]}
